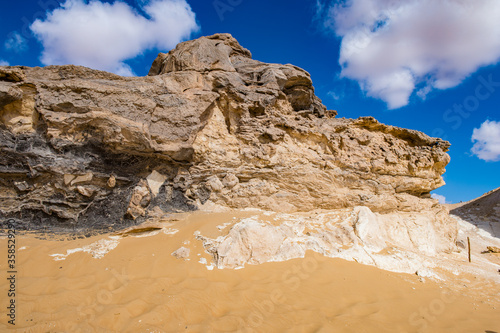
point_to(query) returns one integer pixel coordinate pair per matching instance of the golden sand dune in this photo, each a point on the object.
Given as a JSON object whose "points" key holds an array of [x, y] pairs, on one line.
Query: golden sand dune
{"points": [[131, 283]]}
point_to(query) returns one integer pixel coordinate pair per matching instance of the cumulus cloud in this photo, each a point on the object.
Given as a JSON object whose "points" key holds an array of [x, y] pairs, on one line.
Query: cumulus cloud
{"points": [[15, 42], [440, 198], [103, 35], [390, 47], [487, 141]]}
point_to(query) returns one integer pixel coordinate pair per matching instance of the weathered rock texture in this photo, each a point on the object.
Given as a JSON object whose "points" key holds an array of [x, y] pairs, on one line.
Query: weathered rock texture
{"points": [[85, 148], [401, 242]]}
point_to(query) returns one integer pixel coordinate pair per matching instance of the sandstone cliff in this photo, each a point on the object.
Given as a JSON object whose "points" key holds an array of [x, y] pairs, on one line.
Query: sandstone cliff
{"points": [[83, 148]]}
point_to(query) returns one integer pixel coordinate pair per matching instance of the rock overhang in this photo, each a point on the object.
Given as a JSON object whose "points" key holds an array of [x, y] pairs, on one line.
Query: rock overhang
{"points": [[206, 110]]}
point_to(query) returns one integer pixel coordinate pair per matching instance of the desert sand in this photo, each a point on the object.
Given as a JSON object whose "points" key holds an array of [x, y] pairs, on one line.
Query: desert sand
{"points": [[131, 282]]}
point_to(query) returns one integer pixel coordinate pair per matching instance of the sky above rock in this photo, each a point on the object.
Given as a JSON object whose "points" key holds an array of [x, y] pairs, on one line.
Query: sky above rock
{"points": [[421, 64]]}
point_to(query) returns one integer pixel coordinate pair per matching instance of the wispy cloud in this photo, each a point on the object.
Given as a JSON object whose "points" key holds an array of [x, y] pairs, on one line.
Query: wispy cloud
{"points": [[103, 35], [440, 198], [3, 63], [15, 42], [391, 46], [487, 141], [336, 95], [319, 9]]}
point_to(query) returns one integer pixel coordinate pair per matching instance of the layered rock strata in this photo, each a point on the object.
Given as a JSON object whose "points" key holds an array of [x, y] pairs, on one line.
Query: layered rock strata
{"points": [[83, 148]]}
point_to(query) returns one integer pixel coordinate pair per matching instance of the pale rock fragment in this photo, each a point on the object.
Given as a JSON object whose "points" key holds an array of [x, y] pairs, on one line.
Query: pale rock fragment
{"points": [[155, 181], [181, 253], [111, 183], [85, 190], [83, 178]]}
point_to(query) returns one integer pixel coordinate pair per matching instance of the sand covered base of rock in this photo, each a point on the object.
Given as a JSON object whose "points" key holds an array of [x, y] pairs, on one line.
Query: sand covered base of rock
{"points": [[130, 282]]}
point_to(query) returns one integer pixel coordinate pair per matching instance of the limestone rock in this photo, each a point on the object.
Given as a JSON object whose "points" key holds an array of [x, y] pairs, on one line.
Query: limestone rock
{"points": [[111, 181], [68, 179], [367, 229], [203, 55], [214, 184], [230, 181], [390, 241], [155, 181], [22, 186], [181, 253], [218, 126], [493, 249], [82, 179], [141, 197], [85, 190]]}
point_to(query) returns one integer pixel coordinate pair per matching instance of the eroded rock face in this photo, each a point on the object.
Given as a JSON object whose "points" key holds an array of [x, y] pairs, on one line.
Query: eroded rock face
{"points": [[397, 241], [208, 124]]}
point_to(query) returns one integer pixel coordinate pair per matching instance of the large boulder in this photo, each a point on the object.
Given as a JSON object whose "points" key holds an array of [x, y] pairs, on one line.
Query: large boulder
{"points": [[209, 125]]}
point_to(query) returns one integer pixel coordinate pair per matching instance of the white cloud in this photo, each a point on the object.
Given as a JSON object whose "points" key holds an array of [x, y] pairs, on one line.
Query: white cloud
{"points": [[103, 35], [391, 46], [16, 42], [487, 141], [439, 197], [422, 93], [337, 96], [3, 63]]}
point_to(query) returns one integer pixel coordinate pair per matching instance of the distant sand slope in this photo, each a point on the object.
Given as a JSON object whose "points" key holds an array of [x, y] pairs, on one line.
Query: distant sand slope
{"points": [[479, 219], [486, 207]]}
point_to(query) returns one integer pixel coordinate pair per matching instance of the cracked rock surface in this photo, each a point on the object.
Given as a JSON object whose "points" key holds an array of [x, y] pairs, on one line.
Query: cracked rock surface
{"points": [[86, 149]]}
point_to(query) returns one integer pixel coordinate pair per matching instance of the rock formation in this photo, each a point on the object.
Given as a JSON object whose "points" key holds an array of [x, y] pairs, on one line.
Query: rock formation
{"points": [[83, 148], [401, 242]]}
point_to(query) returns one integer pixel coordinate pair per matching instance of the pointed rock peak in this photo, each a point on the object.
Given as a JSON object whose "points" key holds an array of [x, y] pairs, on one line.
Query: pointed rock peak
{"points": [[230, 41], [203, 54]]}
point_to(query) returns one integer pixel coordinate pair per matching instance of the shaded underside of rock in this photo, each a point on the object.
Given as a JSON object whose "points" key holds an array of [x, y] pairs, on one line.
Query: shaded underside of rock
{"points": [[82, 148]]}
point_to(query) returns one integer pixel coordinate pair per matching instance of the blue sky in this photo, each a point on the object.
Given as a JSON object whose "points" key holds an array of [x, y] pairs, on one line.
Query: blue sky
{"points": [[421, 64]]}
